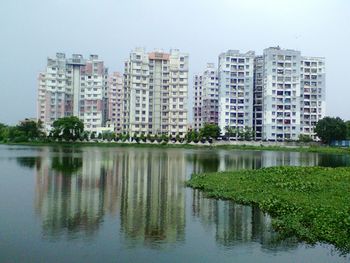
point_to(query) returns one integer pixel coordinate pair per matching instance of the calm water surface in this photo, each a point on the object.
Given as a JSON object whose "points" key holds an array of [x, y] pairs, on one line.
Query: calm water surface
{"points": [[130, 205]]}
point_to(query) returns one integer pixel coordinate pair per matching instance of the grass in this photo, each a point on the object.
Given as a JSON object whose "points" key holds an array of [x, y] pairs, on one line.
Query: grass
{"points": [[310, 203]]}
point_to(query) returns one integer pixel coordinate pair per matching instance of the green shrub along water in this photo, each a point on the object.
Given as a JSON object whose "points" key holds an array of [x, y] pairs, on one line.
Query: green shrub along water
{"points": [[310, 203]]}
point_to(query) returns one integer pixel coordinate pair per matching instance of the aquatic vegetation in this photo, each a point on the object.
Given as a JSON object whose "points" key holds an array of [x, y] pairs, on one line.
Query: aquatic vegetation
{"points": [[311, 203]]}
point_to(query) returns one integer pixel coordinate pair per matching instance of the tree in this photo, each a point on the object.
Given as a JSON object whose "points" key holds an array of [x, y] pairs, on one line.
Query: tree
{"points": [[164, 138], [231, 131], [149, 137], [247, 133], [305, 138], [30, 129], [329, 129], [124, 137], [93, 135], [347, 130], [210, 130], [108, 135], [85, 135], [192, 136], [3, 132], [143, 137], [68, 128]]}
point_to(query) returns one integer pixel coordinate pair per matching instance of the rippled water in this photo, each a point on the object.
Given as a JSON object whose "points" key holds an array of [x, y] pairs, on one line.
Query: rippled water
{"points": [[97, 204]]}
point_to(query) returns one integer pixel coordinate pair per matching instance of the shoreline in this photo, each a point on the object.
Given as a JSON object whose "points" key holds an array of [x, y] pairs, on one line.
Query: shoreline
{"points": [[227, 146]]}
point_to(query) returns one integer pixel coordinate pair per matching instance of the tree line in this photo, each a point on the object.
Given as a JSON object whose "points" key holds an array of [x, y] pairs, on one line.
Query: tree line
{"points": [[72, 129]]}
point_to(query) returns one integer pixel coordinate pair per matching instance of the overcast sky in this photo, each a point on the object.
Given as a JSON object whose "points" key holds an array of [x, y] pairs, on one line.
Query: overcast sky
{"points": [[32, 30]]}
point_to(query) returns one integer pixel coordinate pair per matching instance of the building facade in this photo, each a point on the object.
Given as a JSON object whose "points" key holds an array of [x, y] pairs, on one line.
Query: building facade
{"points": [[115, 101], [73, 87], [236, 81], [206, 94], [155, 93], [258, 97], [281, 94], [197, 105], [293, 94], [313, 93]]}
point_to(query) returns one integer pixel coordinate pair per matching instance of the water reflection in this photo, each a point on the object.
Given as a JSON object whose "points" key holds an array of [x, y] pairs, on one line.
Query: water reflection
{"points": [[74, 192], [236, 224], [72, 198], [144, 188], [66, 165], [29, 161], [153, 199]]}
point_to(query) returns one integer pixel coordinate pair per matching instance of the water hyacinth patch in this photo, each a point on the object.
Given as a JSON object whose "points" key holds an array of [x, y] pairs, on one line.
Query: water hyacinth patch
{"points": [[311, 203]]}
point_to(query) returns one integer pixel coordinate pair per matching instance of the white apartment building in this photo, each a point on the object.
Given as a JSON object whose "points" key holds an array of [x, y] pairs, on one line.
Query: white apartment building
{"points": [[206, 94], [293, 94], [197, 104], [155, 93], [236, 80], [258, 97], [115, 101], [74, 86], [313, 93], [281, 94]]}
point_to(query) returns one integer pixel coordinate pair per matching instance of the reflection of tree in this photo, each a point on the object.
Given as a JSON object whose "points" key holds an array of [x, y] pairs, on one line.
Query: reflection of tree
{"points": [[237, 160], [75, 205], [236, 224], [66, 164], [334, 160], [30, 162], [67, 207], [153, 203], [205, 161]]}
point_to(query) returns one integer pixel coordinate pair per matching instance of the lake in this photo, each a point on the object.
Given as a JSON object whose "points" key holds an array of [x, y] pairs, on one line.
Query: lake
{"points": [[130, 204]]}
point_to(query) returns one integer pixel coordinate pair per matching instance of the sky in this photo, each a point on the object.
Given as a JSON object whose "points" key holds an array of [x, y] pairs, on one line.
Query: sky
{"points": [[32, 30]]}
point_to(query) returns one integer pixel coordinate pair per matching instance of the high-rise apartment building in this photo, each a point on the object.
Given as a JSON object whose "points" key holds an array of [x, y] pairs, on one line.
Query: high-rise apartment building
{"points": [[73, 86], [313, 93], [197, 105], [258, 97], [155, 93], [236, 80], [206, 93], [294, 94], [281, 94], [115, 101]]}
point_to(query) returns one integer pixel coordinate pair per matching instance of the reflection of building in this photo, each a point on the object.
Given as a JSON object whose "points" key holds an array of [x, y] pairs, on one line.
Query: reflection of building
{"points": [[73, 191], [223, 160], [236, 224], [153, 199], [270, 158], [76, 188]]}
